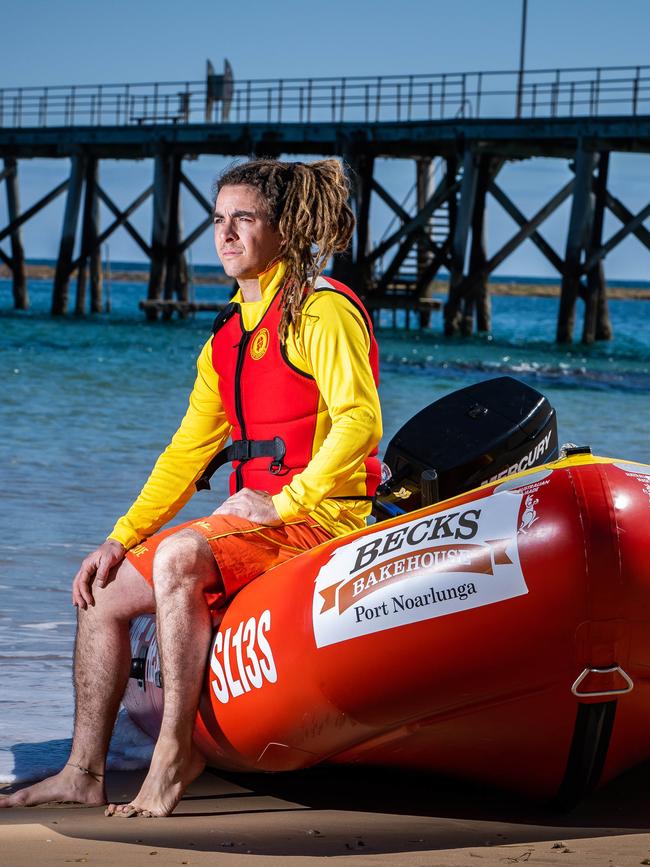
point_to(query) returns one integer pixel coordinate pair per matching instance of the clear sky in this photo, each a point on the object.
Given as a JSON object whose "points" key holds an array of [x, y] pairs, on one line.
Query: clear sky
{"points": [[85, 41], [82, 42]]}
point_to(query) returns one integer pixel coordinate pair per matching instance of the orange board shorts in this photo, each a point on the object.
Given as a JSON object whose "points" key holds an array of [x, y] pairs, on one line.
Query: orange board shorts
{"points": [[242, 550]]}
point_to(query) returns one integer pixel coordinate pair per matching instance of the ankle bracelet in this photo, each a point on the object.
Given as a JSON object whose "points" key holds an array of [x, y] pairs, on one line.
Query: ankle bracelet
{"points": [[83, 770]]}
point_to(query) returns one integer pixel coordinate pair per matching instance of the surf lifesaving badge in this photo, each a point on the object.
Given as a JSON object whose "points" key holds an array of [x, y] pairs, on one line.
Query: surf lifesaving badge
{"points": [[431, 566], [260, 344]]}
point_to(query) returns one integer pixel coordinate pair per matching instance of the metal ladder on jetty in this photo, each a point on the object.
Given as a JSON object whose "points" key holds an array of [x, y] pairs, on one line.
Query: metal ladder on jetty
{"points": [[436, 229]]}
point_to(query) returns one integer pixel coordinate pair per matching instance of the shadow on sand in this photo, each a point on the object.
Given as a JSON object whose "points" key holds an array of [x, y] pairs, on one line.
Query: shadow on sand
{"points": [[330, 811]]}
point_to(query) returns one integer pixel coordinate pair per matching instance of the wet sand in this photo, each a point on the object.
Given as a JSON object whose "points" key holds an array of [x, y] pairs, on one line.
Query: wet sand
{"points": [[352, 816]]}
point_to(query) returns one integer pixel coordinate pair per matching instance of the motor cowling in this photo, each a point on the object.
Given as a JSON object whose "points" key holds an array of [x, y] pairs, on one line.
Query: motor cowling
{"points": [[475, 435]]}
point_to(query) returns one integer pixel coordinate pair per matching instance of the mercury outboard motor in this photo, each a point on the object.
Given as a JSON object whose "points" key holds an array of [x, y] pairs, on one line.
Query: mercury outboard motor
{"points": [[472, 436]]}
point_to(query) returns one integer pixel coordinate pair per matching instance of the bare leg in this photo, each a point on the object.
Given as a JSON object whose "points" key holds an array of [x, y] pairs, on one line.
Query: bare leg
{"points": [[101, 670], [183, 568]]}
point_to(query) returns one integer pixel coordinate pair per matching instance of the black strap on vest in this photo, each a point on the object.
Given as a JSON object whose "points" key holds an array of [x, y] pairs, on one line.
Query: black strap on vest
{"points": [[224, 315], [242, 451]]}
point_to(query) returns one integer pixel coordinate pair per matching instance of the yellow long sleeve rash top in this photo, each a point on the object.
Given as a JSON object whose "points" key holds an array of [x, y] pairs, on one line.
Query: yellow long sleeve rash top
{"points": [[331, 343]]}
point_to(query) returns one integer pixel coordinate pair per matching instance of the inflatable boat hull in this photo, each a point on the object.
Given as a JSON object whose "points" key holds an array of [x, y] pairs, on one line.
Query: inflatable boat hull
{"points": [[501, 636]]}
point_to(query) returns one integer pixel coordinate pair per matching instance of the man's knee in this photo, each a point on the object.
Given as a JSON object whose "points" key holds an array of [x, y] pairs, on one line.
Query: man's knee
{"points": [[125, 596], [182, 555]]}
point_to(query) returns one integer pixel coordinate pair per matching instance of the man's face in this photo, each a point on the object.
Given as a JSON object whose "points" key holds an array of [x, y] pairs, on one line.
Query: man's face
{"points": [[245, 241]]}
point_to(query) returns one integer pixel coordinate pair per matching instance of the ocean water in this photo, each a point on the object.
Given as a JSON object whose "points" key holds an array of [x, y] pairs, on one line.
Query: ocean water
{"points": [[88, 404]]}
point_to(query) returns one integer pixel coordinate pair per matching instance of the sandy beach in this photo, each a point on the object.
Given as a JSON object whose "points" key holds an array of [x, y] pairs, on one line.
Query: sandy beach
{"points": [[350, 816]]}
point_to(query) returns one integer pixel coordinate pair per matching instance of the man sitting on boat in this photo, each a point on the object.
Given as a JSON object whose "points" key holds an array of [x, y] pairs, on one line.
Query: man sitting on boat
{"points": [[291, 374]]}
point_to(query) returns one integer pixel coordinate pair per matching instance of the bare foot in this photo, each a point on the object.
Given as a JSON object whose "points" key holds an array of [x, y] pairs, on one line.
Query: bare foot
{"points": [[70, 784], [170, 774]]}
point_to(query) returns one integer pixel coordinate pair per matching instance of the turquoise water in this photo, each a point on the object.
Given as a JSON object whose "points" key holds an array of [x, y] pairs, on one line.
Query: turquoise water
{"points": [[88, 404]]}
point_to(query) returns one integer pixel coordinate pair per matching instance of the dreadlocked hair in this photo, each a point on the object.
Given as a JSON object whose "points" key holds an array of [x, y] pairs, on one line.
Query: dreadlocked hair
{"points": [[307, 204]]}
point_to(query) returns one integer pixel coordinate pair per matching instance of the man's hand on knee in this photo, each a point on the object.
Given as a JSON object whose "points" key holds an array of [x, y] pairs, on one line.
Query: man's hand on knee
{"points": [[256, 506], [96, 567]]}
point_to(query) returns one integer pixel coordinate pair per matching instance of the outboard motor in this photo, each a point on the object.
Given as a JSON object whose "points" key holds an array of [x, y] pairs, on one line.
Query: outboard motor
{"points": [[472, 436]]}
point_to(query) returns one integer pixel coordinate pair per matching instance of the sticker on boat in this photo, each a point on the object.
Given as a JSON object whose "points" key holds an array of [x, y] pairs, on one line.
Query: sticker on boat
{"points": [[527, 481], [429, 567], [634, 470], [234, 672]]}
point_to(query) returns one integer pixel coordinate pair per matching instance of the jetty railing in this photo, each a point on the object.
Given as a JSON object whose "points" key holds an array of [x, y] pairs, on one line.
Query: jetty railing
{"points": [[553, 93]]}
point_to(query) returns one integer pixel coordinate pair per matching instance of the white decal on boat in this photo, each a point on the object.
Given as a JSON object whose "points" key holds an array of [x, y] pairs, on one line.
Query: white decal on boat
{"points": [[431, 566], [639, 472], [630, 468], [524, 482], [529, 515], [242, 659]]}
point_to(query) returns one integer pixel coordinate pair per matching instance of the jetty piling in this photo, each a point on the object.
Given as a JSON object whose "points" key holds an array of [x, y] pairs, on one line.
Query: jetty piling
{"points": [[459, 290], [160, 227], [582, 209], [424, 187], [60, 290], [17, 260], [477, 303], [90, 255], [457, 130], [597, 325], [176, 282]]}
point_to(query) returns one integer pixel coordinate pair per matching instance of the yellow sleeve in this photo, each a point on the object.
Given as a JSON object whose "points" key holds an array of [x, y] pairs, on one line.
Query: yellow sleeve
{"points": [[202, 432], [334, 343]]}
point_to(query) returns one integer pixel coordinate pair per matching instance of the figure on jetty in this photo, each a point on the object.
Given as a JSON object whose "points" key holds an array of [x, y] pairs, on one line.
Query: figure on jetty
{"points": [[290, 373]]}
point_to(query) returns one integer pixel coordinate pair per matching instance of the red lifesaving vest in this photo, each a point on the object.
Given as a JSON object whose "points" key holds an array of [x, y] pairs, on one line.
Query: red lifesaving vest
{"points": [[266, 397]]}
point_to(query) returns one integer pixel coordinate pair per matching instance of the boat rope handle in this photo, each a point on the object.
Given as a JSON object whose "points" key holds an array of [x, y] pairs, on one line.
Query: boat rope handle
{"points": [[613, 668]]}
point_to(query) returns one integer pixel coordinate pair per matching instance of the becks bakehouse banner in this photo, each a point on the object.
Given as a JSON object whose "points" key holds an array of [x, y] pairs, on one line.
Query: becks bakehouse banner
{"points": [[431, 566]]}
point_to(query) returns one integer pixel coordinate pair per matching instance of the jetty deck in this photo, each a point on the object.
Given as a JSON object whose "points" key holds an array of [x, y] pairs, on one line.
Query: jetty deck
{"points": [[458, 130]]}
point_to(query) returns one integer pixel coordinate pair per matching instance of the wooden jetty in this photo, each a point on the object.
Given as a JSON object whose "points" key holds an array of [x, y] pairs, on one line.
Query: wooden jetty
{"points": [[457, 130], [409, 304]]}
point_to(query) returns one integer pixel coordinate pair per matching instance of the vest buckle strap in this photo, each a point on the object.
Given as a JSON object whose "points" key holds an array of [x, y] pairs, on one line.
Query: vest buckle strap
{"points": [[245, 450], [242, 451], [279, 451]]}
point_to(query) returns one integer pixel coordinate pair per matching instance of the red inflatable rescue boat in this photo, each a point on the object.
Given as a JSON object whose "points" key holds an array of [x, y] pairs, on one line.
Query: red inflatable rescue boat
{"points": [[501, 635]]}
